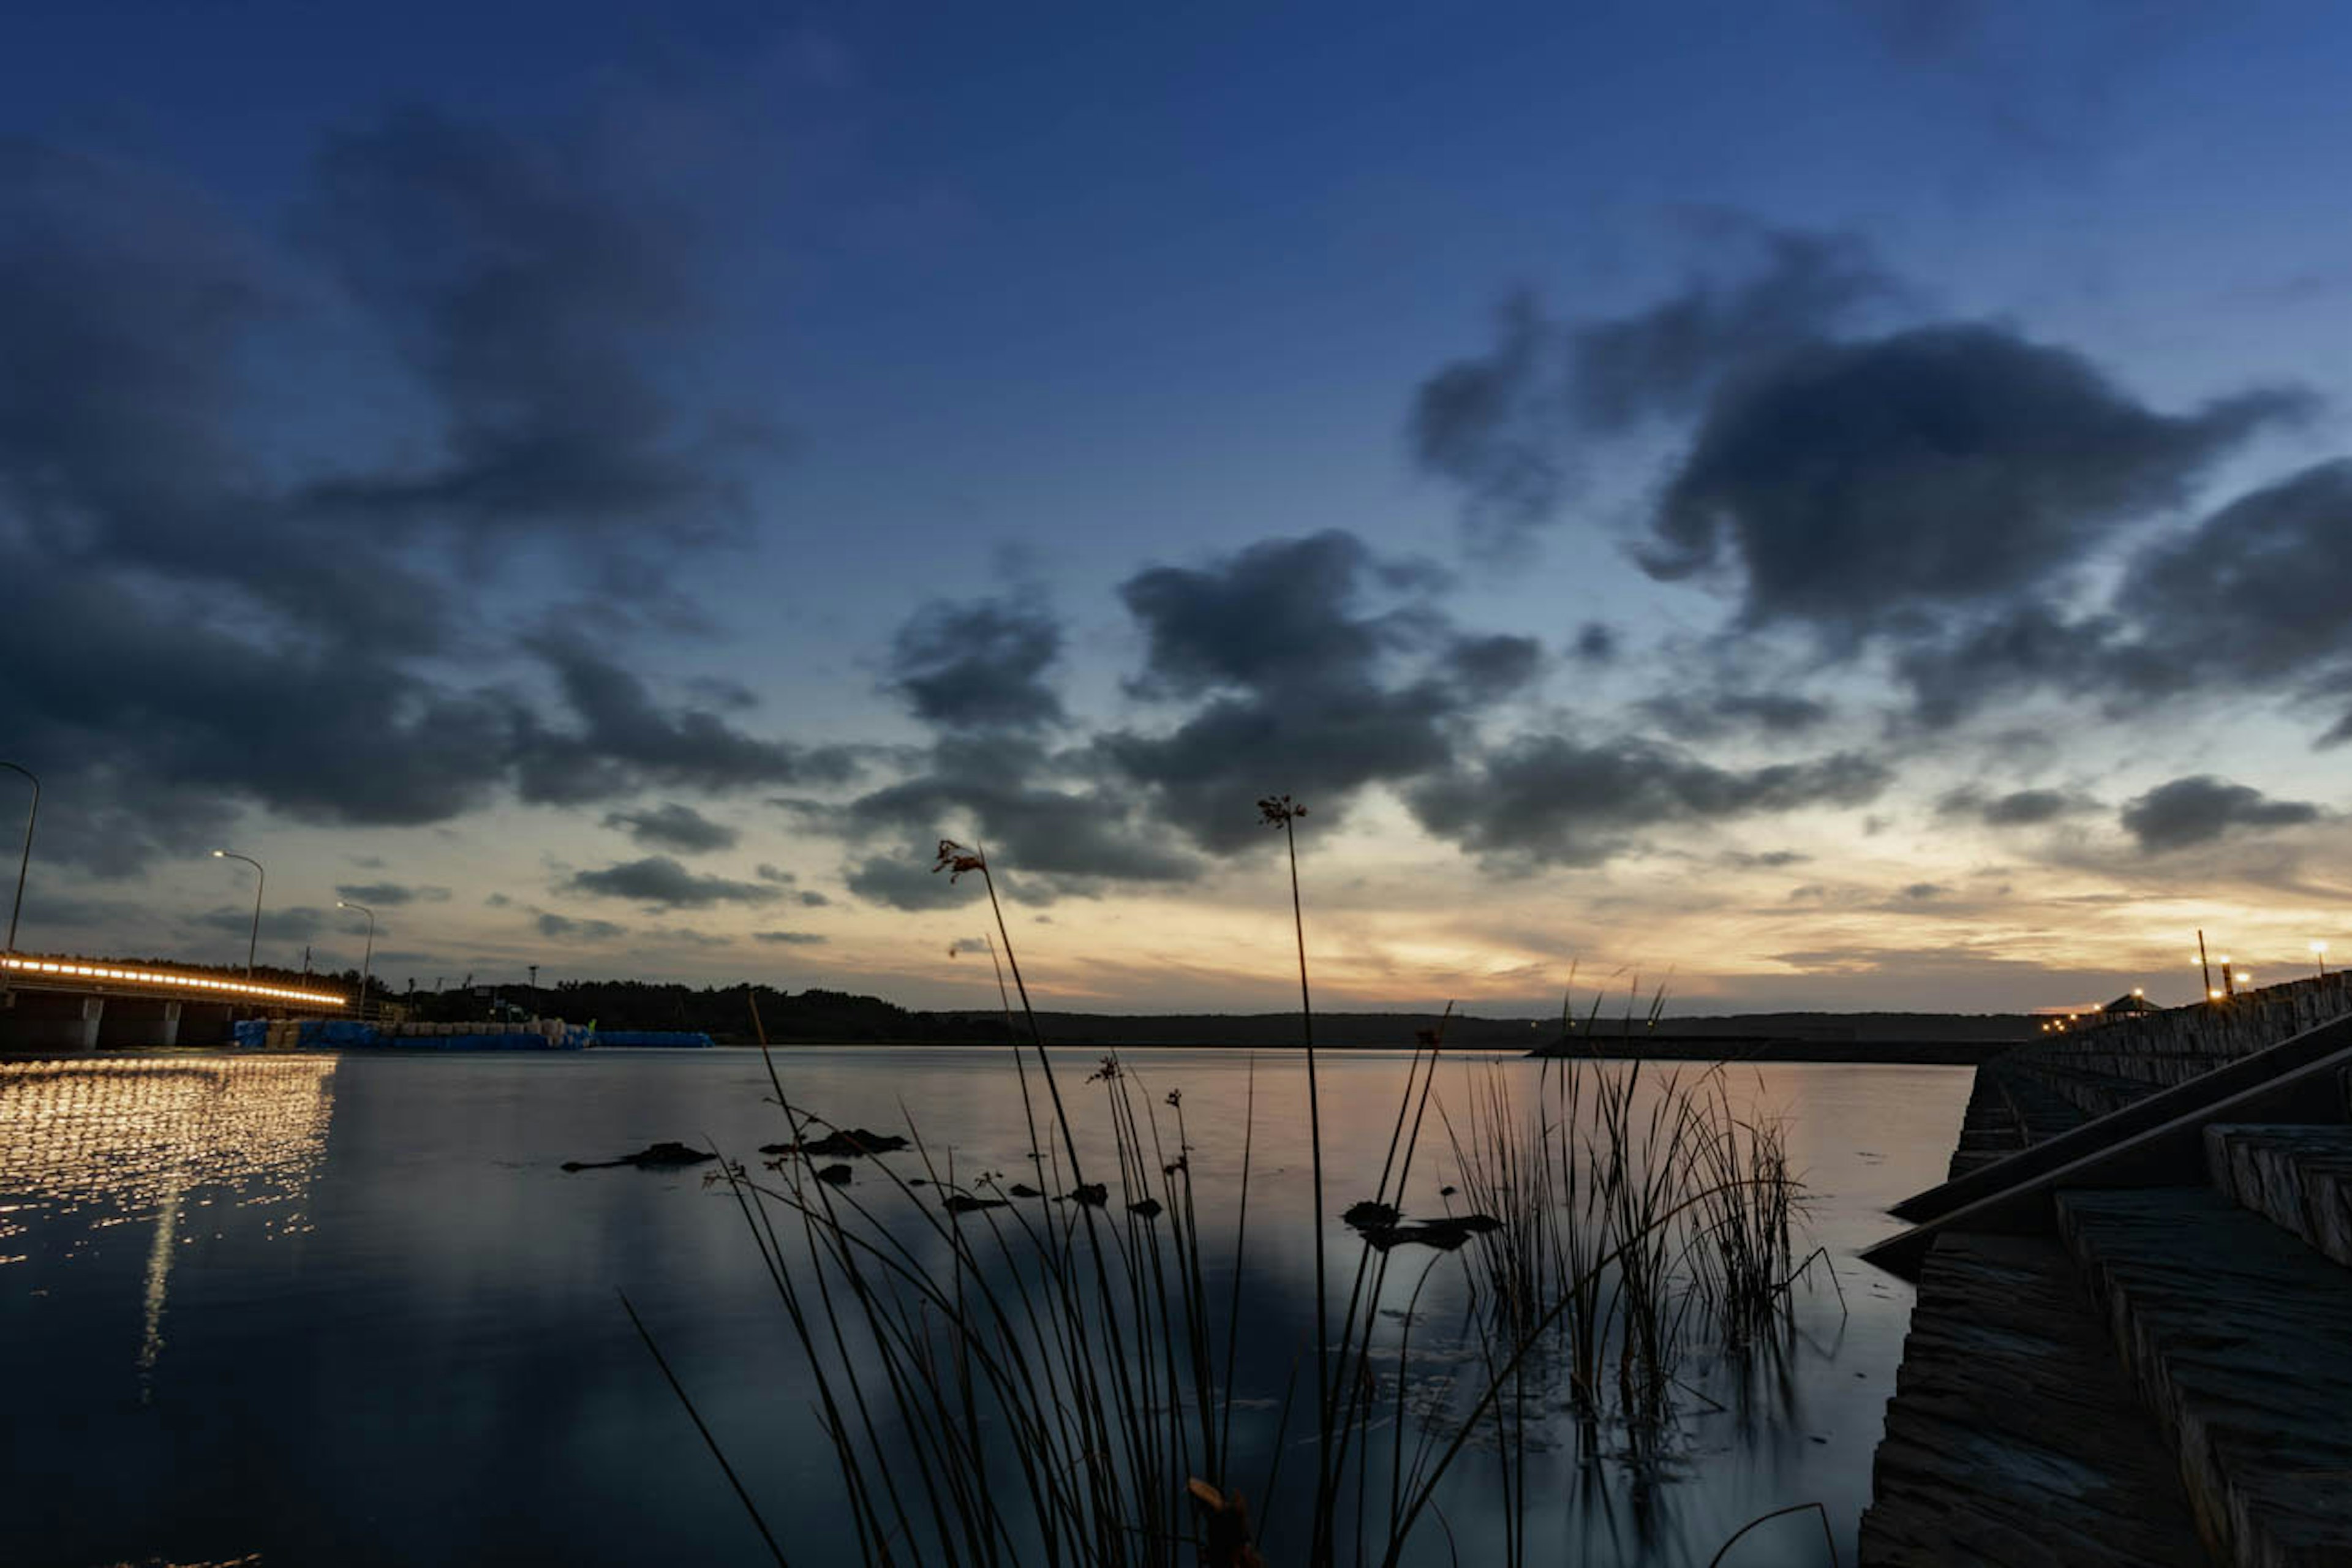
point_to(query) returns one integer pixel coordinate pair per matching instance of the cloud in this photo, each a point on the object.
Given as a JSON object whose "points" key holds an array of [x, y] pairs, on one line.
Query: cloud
{"points": [[979, 665], [2018, 808], [526, 290], [660, 881], [1546, 800], [1312, 667], [568, 928], [790, 938], [1505, 426], [809, 898], [673, 827], [1000, 793], [687, 936], [777, 874], [390, 895], [1944, 467], [906, 882], [1596, 642], [1768, 861], [518, 279], [288, 923], [1707, 715], [624, 739], [2236, 601], [2228, 606], [2201, 808]]}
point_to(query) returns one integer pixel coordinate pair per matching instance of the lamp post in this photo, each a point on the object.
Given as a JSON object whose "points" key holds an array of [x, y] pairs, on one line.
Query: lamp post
{"points": [[2320, 956], [367, 964], [25, 861], [261, 880]]}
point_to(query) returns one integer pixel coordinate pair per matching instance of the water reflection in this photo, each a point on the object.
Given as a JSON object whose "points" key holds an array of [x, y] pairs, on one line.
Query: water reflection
{"points": [[85, 1147], [437, 1292]]}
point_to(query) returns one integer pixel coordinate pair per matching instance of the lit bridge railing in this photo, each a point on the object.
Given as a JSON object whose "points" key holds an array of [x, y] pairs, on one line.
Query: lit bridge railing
{"points": [[62, 974]]}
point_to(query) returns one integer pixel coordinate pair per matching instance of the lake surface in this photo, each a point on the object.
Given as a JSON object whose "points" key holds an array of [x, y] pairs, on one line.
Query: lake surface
{"points": [[312, 1309]]}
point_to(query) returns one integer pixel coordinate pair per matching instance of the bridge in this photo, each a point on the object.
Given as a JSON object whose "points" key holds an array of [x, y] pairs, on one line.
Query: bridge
{"points": [[82, 1003]]}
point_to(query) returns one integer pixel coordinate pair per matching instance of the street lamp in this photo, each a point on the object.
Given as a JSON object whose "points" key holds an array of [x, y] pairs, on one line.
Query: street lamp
{"points": [[261, 880], [367, 964], [25, 861]]}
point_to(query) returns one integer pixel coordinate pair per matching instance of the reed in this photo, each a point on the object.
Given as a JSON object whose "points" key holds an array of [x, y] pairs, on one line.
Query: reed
{"points": [[1033, 1368]]}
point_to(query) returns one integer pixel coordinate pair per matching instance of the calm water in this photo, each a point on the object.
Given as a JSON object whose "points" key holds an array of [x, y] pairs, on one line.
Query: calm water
{"points": [[351, 1310]]}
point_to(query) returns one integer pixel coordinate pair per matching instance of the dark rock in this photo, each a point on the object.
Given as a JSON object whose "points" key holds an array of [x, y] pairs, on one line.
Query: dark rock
{"points": [[837, 1175], [663, 1156], [1445, 1233], [841, 1143], [1147, 1207], [1094, 1195], [964, 1203], [1368, 1215], [1023, 1190]]}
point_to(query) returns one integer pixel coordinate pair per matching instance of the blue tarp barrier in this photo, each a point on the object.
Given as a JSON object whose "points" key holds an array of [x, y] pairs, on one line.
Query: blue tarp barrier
{"points": [[679, 1039]]}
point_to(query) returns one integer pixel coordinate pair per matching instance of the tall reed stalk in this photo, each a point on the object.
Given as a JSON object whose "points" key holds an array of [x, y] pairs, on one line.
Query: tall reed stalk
{"points": [[1016, 1373]]}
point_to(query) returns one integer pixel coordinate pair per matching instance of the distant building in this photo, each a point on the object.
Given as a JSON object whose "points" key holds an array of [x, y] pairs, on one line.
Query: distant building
{"points": [[2129, 1002]]}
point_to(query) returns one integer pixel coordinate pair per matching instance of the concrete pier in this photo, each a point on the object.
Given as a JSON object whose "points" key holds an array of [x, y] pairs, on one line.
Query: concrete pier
{"points": [[2129, 1344]]}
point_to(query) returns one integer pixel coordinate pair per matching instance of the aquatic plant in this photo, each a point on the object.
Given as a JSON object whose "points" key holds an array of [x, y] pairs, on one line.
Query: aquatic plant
{"points": [[1018, 1373]]}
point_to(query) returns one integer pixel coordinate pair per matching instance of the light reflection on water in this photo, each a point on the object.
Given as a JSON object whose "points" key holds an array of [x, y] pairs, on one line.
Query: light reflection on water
{"points": [[402, 1344], [114, 1142], [84, 1148]]}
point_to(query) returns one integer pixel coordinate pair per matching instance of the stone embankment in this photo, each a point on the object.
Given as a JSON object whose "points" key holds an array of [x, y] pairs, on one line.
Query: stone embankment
{"points": [[2130, 1344]]}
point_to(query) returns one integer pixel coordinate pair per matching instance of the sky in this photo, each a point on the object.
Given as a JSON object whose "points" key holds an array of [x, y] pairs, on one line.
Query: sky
{"points": [[1834, 505]]}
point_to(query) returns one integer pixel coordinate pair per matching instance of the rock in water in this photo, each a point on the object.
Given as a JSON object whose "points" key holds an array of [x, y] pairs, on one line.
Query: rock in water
{"points": [[662, 1156], [837, 1175], [964, 1203]]}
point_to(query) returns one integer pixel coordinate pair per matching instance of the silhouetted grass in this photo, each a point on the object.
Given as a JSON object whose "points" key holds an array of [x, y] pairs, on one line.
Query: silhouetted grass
{"points": [[1029, 1368]]}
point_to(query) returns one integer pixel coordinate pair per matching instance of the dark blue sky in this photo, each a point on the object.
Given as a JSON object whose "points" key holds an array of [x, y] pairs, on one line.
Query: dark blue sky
{"points": [[1836, 498]]}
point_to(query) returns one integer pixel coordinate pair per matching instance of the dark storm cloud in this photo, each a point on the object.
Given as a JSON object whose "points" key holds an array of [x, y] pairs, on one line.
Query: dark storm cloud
{"points": [[1310, 666], [390, 895], [979, 665], [991, 792], [673, 827], [1768, 861], [1278, 611], [516, 277], [623, 737], [299, 923], [284, 663], [2239, 603], [809, 898], [1596, 643], [1486, 668], [2018, 650], [1667, 359], [1548, 800], [790, 938], [2249, 598], [1705, 715], [2201, 808], [1948, 467], [1505, 426], [567, 928], [905, 881], [661, 881], [2017, 808]]}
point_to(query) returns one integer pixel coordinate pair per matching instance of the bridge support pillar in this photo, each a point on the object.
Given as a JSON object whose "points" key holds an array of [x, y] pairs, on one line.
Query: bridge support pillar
{"points": [[168, 1032], [93, 1010]]}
